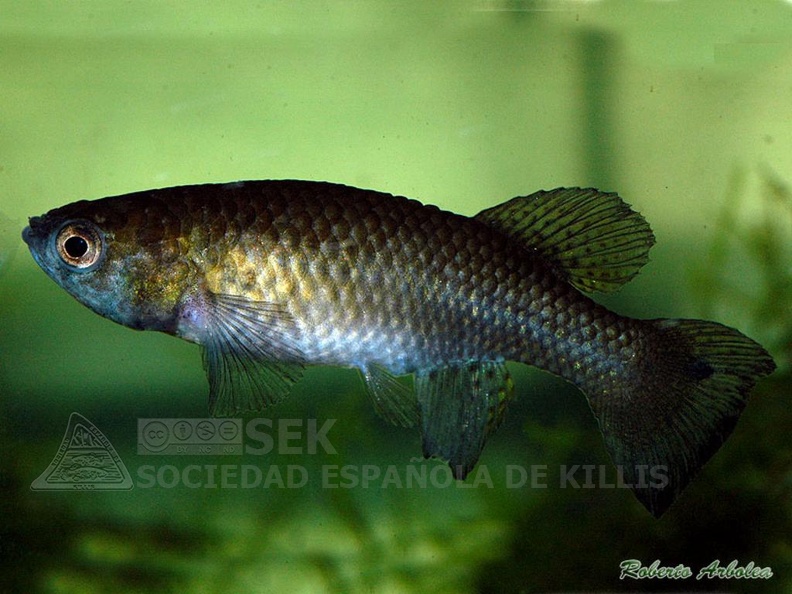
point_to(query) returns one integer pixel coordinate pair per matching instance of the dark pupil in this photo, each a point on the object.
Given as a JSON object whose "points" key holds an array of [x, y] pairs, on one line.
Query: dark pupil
{"points": [[75, 246]]}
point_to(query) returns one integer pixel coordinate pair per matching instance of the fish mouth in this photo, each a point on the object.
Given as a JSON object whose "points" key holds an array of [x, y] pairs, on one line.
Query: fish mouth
{"points": [[28, 235]]}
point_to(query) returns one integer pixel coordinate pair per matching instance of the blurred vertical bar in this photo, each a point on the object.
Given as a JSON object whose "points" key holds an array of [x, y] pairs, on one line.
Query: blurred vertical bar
{"points": [[598, 66]]}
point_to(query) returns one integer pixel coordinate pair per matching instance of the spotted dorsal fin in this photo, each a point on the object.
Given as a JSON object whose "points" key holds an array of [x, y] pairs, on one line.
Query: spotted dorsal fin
{"points": [[594, 239]]}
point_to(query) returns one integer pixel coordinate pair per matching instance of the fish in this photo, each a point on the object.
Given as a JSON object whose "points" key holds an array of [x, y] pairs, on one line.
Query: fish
{"points": [[271, 276]]}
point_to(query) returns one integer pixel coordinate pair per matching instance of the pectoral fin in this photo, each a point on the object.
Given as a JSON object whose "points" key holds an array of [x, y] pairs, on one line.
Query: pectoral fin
{"points": [[250, 354], [461, 406]]}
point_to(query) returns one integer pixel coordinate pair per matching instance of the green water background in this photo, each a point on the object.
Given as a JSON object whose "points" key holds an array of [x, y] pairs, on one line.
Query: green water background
{"points": [[684, 108]]}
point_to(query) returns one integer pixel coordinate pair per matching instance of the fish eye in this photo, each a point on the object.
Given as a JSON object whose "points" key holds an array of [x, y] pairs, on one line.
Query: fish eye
{"points": [[79, 244]]}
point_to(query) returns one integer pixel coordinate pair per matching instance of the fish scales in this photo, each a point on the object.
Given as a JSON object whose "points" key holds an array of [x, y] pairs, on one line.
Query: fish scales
{"points": [[372, 278], [369, 277], [271, 276]]}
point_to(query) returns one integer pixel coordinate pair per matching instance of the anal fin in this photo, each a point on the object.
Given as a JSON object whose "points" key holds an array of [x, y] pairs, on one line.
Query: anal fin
{"points": [[461, 405]]}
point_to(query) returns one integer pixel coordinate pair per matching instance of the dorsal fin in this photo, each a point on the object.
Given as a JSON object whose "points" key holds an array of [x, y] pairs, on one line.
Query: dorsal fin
{"points": [[593, 238]]}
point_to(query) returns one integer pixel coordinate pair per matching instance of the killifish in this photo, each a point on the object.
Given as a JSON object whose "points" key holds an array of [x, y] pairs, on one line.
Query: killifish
{"points": [[271, 276]]}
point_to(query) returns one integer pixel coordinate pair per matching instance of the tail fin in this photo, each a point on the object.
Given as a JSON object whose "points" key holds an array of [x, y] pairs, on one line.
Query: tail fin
{"points": [[690, 384]]}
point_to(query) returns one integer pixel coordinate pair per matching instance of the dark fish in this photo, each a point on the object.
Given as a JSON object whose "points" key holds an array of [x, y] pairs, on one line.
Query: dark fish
{"points": [[269, 276]]}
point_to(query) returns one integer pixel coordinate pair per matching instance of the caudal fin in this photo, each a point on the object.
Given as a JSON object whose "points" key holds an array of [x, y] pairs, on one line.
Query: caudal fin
{"points": [[681, 401]]}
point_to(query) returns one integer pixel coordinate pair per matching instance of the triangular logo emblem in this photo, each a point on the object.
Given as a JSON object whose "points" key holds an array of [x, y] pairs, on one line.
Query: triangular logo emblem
{"points": [[86, 461]]}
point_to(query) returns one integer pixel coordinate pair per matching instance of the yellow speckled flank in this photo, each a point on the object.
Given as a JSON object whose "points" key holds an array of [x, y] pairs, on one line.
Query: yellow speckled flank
{"points": [[271, 276]]}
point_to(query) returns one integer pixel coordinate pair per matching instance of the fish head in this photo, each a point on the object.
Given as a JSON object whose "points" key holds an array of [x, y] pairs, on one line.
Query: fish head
{"points": [[118, 257]]}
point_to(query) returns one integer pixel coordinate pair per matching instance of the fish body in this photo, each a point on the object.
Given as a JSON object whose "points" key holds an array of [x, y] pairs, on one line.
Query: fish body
{"points": [[271, 276]]}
